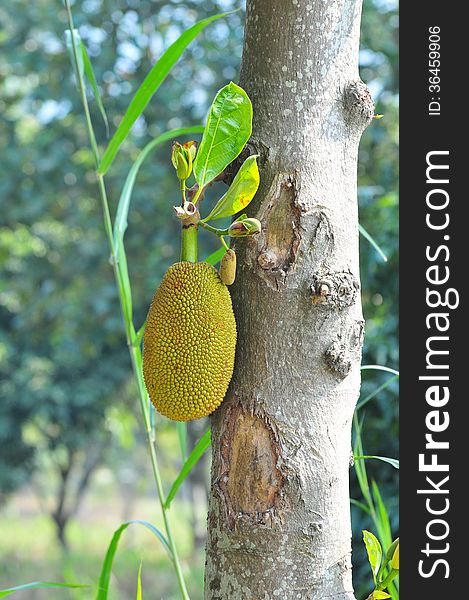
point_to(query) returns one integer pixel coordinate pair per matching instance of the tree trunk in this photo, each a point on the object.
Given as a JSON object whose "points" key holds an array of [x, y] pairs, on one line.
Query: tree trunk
{"points": [[279, 515]]}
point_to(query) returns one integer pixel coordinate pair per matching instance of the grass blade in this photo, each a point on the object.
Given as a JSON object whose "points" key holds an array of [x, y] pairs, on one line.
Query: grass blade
{"points": [[371, 240], [376, 392], [360, 505], [215, 257], [139, 334], [382, 522], [379, 368], [194, 456], [360, 467], [39, 584], [392, 461], [120, 224], [105, 576], [77, 65], [89, 72], [124, 280], [85, 68], [181, 427], [149, 86], [139, 583]]}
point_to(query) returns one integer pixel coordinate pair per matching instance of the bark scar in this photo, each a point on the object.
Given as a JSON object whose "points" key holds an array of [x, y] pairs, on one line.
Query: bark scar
{"points": [[250, 480], [279, 242]]}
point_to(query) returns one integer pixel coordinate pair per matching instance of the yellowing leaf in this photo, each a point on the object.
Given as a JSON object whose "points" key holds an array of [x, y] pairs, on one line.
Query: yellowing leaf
{"points": [[240, 193], [139, 584], [375, 554], [380, 595]]}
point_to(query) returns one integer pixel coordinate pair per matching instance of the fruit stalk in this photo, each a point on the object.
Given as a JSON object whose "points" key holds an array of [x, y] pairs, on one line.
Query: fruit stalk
{"points": [[189, 242]]}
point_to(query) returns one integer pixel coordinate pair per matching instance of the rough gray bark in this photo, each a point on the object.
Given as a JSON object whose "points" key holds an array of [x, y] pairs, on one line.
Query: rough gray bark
{"points": [[279, 516]]}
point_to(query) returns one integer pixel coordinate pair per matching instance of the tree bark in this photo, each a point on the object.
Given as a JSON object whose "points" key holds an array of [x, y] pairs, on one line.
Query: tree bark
{"points": [[279, 514]]}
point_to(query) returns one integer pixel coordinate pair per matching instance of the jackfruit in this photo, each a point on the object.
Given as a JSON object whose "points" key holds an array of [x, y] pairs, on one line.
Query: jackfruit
{"points": [[189, 342], [228, 267]]}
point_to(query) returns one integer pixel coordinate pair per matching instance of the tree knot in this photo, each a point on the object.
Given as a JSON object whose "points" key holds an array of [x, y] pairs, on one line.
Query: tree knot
{"points": [[358, 103]]}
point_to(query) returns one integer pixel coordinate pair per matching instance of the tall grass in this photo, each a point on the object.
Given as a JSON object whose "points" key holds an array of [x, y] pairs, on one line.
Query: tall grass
{"points": [[115, 235]]}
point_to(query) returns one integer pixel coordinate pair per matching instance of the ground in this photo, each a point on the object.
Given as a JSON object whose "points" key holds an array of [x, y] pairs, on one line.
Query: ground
{"points": [[30, 552]]}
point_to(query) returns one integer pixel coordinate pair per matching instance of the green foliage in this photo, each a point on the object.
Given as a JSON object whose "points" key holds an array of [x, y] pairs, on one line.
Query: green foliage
{"points": [[373, 549], [105, 576], [38, 585], [120, 223], [226, 133], [384, 569], [392, 461], [202, 445], [216, 256], [139, 584], [149, 86], [240, 193]]}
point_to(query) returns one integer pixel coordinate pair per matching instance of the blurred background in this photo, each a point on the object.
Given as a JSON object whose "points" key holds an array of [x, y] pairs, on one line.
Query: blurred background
{"points": [[73, 460]]}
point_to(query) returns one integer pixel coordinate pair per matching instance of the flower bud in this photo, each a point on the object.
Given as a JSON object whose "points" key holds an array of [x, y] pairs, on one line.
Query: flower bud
{"points": [[192, 147], [244, 228], [181, 157]]}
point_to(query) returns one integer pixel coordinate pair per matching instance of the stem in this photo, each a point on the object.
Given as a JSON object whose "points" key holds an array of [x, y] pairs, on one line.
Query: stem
{"points": [[189, 243], [133, 343], [183, 191], [214, 230], [224, 244]]}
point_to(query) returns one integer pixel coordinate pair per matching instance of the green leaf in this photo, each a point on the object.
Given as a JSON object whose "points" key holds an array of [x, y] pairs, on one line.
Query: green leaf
{"points": [[392, 461], [139, 583], [94, 85], [39, 584], [228, 128], [374, 551], [240, 193], [105, 576], [368, 237], [216, 256], [149, 86], [380, 595], [120, 223], [194, 457]]}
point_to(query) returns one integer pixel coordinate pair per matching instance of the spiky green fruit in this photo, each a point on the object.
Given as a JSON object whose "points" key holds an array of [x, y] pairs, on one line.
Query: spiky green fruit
{"points": [[189, 342]]}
